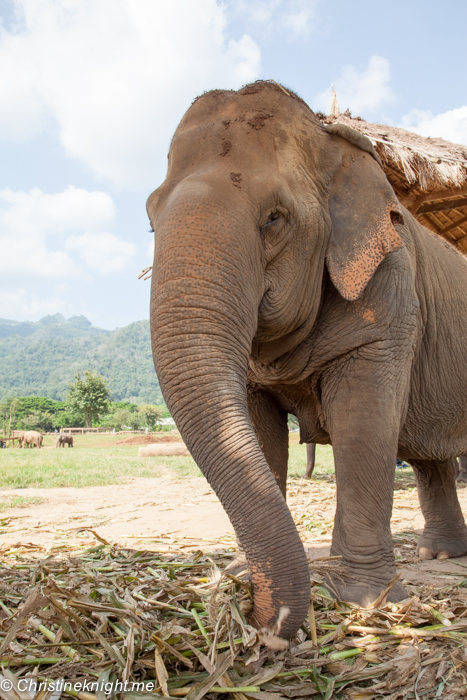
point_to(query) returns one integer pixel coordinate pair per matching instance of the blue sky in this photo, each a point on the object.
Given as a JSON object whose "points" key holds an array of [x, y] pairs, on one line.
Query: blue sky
{"points": [[92, 90]]}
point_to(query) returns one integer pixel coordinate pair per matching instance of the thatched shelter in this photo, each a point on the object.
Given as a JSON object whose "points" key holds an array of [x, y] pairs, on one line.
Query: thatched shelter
{"points": [[428, 175]]}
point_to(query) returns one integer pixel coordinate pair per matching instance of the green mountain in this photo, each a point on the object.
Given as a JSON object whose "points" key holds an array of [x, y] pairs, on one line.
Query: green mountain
{"points": [[41, 359]]}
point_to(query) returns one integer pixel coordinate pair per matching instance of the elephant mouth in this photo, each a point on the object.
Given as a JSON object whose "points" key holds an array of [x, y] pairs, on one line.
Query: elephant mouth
{"points": [[265, 352]]}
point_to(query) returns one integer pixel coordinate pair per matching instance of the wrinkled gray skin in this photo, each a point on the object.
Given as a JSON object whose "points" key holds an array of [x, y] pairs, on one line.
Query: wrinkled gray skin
{"points": [[310, 459], [32, 439], [287, 278], [63, 440]]}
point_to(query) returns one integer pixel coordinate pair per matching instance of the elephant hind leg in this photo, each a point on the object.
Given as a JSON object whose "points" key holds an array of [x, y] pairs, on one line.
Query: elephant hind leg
{"points": [[445, 533], [310, 459]]}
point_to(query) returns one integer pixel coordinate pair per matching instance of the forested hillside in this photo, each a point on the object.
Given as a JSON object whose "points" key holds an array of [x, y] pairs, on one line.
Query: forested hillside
{"points": [[41, 359]]}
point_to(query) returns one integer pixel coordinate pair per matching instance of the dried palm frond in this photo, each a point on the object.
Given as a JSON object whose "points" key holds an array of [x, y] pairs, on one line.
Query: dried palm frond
{"points": [[175, 623]]}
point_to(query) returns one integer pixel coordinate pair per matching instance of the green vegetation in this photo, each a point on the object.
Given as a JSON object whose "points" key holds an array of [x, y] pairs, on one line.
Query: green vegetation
{"points": [[8, 411], [89, 397], [18, 502], [151, 414], [37, 413], [97, 460], [41, 359], [297, 458], [43, 414], [126, 415], [88, 466]]}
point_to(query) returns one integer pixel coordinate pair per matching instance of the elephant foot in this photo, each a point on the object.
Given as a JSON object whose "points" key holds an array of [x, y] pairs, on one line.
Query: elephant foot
{"points": [[365, 594], [432, 547], [237, 565]]}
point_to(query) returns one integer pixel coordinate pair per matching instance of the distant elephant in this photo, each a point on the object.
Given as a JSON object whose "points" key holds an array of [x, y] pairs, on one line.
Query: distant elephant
{"points": [[63, 440], [32, 439], [287, 278], [20, 437]]}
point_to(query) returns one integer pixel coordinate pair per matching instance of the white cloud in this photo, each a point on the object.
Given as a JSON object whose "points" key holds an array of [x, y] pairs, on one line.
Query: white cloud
{"points": [[103, 252], [294, 16], [451, 125], [258, 12], [75, 208], [360, 91], [298, 19], [21, 304], [244, 54], [150, 250], [115, 76], [35, 230]]}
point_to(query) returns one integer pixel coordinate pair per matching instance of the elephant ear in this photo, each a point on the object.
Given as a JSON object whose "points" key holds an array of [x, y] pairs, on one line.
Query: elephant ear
{"points": [[363, 210]]}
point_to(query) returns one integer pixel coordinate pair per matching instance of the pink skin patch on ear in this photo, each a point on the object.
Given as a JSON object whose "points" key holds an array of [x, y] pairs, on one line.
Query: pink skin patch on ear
{"points": [[380, 239]]}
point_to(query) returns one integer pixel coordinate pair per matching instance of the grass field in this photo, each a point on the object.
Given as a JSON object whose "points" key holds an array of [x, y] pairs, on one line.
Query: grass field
{"points": [[96, 460]]}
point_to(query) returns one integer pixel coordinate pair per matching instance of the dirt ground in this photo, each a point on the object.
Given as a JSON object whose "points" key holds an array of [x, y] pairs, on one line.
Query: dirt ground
{"points": [[147, 512]]}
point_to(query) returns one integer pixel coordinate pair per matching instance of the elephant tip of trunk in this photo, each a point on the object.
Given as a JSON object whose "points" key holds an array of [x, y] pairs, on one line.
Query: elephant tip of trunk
{"points": [[270, 636]]}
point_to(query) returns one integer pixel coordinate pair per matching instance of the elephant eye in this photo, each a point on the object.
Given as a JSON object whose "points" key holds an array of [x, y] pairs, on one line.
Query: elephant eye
{"points": [[272, 218]]}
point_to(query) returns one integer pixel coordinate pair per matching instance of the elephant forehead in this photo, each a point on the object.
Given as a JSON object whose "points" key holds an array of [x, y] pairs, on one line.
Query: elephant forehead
{"points": [[233, 155], [232, 119], [228, 136]]}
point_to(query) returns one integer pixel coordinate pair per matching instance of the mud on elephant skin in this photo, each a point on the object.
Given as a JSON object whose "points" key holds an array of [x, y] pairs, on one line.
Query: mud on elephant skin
{"points": [[287, 279]]}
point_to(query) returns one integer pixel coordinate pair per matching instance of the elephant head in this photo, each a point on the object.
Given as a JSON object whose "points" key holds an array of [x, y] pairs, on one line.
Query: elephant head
{"points": [[258, 201]]}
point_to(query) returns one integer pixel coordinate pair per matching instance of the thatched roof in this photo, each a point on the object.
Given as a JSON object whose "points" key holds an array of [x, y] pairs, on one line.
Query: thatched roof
{"points": [[428, 175]]}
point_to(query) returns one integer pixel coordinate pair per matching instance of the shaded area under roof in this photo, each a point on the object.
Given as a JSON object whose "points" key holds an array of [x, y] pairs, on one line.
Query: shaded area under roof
{"points": [[429, 175]]}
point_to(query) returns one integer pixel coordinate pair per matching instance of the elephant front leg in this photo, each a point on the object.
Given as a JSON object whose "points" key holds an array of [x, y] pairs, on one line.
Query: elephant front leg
{"points": [[363, 417], [445, 533]]}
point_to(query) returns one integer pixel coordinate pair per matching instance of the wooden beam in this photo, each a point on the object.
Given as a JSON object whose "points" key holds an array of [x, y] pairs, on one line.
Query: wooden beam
{"points": [[462, 239], [442, 206], [434, 226], [454, 225], [436, 195], [417, 204], [413, 187]]}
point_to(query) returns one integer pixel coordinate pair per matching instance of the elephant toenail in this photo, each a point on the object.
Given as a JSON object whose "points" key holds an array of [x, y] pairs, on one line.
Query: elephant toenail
{"points": [[425, 553], [442, 555]]}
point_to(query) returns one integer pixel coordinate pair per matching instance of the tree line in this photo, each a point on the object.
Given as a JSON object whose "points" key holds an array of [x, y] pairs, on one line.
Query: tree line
{"points": [[44, 362], [88, 403]]}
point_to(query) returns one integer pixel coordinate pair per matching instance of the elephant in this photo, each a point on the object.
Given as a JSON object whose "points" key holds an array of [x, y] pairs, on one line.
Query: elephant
{"points": [[20, 436], [32, 439], [63, 440], [288, 278], [310, 459]]}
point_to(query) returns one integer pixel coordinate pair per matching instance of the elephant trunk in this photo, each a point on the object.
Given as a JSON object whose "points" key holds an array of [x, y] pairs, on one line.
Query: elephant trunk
{"points": [[206, 288]]}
